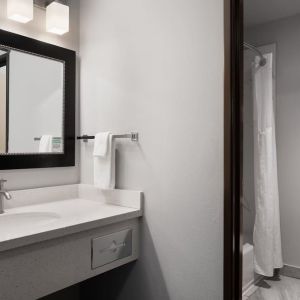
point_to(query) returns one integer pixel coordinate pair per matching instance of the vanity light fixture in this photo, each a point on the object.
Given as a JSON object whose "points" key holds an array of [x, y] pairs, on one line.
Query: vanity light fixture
{"points": [[20, 10], [57, 18]]}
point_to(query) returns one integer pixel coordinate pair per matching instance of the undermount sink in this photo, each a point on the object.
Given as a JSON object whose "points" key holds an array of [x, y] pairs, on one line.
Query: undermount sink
{"points": [[37, 215], [25, 220]]}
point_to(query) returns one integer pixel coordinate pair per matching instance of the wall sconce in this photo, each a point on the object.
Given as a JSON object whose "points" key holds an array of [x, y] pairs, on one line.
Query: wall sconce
{"points": [[57, 13], [57, 18], [20, 10]]}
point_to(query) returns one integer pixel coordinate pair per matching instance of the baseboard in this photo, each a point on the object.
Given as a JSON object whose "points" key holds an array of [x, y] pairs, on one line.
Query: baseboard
{"points": [[290, 271], [253, 286]]}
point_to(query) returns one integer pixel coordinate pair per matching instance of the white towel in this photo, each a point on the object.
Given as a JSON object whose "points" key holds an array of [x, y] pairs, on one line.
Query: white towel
{"points": [[104, 165], [101, 144], [46, 143]]}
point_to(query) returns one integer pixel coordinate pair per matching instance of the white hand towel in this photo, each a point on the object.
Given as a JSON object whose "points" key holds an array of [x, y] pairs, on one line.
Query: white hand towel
{"points": [[101, 144], [104, 166], [46, 143]]}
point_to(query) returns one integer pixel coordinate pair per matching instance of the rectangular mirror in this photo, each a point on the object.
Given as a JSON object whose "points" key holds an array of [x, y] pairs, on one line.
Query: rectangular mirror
{"points": [[37, 103]]}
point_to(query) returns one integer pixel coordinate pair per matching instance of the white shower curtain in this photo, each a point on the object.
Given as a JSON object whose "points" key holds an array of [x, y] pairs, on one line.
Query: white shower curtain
{"points": [[267, 236]]}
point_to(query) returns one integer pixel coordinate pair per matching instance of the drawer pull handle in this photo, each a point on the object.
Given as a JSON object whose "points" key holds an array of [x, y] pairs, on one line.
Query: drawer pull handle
{"points": [[113, 247]]}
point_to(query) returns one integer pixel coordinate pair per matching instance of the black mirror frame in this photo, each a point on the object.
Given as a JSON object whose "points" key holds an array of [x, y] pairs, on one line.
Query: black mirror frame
{"points": [[66, 159]]}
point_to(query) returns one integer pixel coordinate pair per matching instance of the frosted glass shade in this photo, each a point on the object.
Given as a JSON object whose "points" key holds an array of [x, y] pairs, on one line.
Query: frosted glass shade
{"points": [[57, 18], [20, 10]]}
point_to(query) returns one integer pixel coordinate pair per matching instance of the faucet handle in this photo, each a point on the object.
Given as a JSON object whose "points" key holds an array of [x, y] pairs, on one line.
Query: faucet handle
{"points": [[3, 180]]}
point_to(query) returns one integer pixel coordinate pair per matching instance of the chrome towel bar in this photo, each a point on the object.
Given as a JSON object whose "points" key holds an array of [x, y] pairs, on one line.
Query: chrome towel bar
{"points": [[134, 136], [39, 138]]}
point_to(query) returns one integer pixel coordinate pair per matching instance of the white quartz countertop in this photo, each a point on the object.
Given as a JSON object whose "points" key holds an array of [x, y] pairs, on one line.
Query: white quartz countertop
{"points": [[42, 214]]}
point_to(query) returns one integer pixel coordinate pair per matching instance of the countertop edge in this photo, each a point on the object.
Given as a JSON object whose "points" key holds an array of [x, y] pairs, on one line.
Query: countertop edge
{"points": [[68, 230]]}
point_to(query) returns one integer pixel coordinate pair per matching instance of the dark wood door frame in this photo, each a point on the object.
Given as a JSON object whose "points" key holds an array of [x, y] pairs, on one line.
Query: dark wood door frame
{"points": [[233, 103]]}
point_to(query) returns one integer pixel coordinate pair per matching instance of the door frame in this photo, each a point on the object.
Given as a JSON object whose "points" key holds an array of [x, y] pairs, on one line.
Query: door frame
{"points": [[233, 137]]}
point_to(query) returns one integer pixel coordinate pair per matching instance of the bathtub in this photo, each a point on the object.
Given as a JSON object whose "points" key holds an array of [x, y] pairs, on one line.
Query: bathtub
{"points": [[248, 267]]}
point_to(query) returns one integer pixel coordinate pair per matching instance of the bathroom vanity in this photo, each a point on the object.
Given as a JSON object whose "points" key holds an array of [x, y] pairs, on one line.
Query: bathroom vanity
{"points": [[51, 238]]}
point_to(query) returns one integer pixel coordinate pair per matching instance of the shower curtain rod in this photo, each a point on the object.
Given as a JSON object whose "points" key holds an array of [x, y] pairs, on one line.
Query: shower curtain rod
{"points": [[262, 61]]}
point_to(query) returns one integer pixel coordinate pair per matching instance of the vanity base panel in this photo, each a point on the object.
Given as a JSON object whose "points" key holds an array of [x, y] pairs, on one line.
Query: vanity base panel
{"points": [[41, 269]]}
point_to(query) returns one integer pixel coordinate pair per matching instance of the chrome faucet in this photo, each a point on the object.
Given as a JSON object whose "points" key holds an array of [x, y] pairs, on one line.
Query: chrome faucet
{"points": [[4, 194]]}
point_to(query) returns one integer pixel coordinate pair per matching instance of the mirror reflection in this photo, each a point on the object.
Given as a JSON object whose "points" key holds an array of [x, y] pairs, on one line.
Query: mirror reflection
{"points": [[31, 103], [3, 62]]}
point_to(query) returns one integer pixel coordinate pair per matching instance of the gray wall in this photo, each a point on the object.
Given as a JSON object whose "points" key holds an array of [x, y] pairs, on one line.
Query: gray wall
{"points": [[157, 67], [285, 33], [18, 179]]}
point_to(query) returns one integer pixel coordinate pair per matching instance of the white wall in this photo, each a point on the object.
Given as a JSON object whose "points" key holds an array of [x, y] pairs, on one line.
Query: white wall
{"points": [[285, 33], [157, 67], [18, 179]]}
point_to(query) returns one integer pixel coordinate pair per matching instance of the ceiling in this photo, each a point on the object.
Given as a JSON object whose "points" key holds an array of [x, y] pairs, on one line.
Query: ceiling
{"points": [[263, 11]]}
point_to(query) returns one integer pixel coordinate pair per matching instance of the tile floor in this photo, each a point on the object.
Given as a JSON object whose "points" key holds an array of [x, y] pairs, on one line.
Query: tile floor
{"points": [[278, 288]]}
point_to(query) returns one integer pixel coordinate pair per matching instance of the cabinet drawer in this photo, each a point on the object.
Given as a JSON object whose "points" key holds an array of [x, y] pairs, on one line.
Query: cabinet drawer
{"points": [[109, 248]]}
